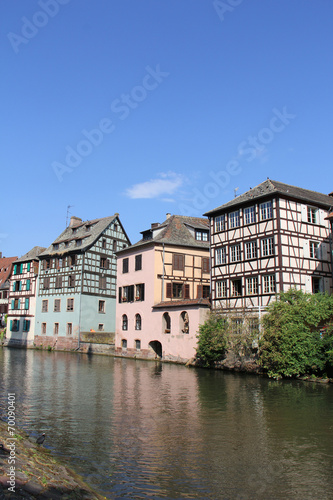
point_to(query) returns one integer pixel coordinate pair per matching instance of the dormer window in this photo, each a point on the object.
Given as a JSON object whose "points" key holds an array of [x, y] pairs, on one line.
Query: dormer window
{"points": [[55, 246], [78, 243], [74, 230], [201, 235]]}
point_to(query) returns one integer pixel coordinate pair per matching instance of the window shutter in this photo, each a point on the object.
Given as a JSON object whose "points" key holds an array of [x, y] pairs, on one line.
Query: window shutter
{"points": [[200, 291], [28, 285], [27, 303], [20, 286], [19, 303], [186, 291], [131, 293], [28, 267], [21, 268], [11, 325], [28, 325], [119, 294], [13, 304], [169, 290], [14, 286], [143, 292], [18, 326], [15, 269], [107, 264], [306, 250]]}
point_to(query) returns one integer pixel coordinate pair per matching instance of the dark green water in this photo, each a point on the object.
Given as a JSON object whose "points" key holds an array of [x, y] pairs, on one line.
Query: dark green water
{"points": [[137, 429]]}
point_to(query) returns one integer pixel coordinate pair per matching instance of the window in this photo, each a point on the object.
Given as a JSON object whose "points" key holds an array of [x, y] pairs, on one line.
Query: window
{"points": [[166, 323], [58, 282], [221, 289], [265, 210], [267, 246], [125, 265], [124, 343], [78, 243], [126, 293], [221, 256], [316, 284], [72, 260], [101, 306], [220, 223], [124, 322], [55, 246], [26, 325], [203, 291], [69, 329], [140, 291], [252, 286], [249, 215], [251, 250], [104, 264], [138, 262], [45, 306], [205, 264], [114, 245], [177, 290], [14, 325], [236, 325], [56, 307], [184, 322], [234, 219], [137, 322], [102, 282], [235, 253], [178, 262], [201, 235], [314, 250], [28, 285], [56, 329], [137, 345], [16, 304], [104, 243], [70, 305], [17, 286], [43, 328], [71, 281], [26, 303], [312, 215], [269, 283], [236, 288], [100, 327]]}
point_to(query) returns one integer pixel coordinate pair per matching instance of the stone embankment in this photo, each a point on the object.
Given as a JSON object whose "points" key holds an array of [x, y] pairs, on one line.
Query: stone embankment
{"points": [[36, 474]]}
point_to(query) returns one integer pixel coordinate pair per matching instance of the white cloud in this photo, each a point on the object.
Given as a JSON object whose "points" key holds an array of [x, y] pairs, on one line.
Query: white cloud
{"points": [[167, 184]]}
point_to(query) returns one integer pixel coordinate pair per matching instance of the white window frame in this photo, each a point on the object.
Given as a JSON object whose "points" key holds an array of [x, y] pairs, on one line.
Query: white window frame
{"points": [[221, 289], [312, 214], [249, 215], [221, 256], [251, 250], [234, 219], [269, 283], [252, 285], [235, 253], [267, 246], [219, 223], [266, 210]]}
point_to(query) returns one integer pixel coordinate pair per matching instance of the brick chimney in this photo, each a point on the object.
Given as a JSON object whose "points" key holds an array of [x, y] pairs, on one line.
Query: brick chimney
{"points": [[75, 221]]}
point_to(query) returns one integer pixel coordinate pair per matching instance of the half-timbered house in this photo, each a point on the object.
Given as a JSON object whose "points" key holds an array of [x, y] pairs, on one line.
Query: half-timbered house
{"points": [[269, 239], [6, 264], [77, 283], [22, 299], [163, 290]]}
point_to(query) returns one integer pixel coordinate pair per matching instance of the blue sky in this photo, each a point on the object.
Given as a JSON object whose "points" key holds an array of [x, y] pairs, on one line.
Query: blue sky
{"points": [[155, 106]]}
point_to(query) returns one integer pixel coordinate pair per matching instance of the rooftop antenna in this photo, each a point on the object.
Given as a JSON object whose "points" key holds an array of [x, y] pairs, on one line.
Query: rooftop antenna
{"points": [[235, 192], [68, 212]]}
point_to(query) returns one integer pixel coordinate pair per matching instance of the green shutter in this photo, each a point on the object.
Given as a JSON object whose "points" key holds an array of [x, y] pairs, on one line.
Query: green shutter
{"points": [[11, 325], [27, 303], [15, 269], [20, 286], [28, 285], [13, 304], [18, 326], [28, 325], [28, 267], [21, 268], [19, 302], [14, 286]]}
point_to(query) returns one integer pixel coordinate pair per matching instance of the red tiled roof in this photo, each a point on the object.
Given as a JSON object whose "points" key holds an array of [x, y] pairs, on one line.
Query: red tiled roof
{"points": [[5, 268]]}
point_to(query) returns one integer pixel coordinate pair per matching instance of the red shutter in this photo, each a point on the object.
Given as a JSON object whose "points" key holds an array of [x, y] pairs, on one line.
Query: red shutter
{"points": [[169, 290], [200, 291], [186, 291]]}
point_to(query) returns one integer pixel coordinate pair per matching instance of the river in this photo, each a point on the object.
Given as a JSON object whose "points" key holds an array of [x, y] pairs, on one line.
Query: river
{"points": [[148, 430]]}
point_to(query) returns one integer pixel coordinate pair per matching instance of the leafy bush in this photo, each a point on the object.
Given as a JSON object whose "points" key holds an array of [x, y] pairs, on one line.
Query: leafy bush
{"points": [[292, 344], [212, 339]]}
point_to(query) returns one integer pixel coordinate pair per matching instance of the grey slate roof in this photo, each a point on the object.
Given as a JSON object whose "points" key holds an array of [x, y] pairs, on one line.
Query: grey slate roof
{"points": [[97, 226], [31, 255], [174, 231], [270, 187]]}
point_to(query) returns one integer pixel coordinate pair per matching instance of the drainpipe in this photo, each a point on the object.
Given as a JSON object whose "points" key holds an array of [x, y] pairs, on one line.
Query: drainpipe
{"points": [[163, 275], [330, 218], [81, 285]]}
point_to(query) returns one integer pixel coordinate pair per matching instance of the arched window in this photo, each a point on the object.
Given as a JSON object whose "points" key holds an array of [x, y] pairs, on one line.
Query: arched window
{"points": [[166, 323], [124, 343], [124, 322], [184, 322], [137, 322]]}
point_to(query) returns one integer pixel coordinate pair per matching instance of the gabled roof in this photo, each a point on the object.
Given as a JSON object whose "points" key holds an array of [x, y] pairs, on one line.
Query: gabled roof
{"points": [[32, 254], [88, 232], [269, 187], [5, 268], [176, 230]]}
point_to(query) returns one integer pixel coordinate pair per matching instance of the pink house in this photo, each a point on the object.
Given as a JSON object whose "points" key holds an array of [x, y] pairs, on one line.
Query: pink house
{"points": [[163, 290]]}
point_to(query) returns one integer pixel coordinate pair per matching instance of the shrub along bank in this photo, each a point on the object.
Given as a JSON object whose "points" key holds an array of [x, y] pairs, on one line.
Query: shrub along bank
{"points": [[296, 338]]}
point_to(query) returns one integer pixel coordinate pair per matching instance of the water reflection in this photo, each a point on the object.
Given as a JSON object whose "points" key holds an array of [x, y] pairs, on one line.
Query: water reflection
{"points": [[139, 429]]}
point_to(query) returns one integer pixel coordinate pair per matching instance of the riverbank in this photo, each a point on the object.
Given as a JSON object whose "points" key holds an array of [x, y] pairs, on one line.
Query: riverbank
{"points": [[29, 471]]}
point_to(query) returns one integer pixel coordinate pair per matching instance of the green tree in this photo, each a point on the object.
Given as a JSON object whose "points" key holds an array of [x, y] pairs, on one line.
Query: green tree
{"points": [[292, 343], [212, 339]]}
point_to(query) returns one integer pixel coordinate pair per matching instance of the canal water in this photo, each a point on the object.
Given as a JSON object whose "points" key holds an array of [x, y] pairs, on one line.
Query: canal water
{"points": [[145, 430]]}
